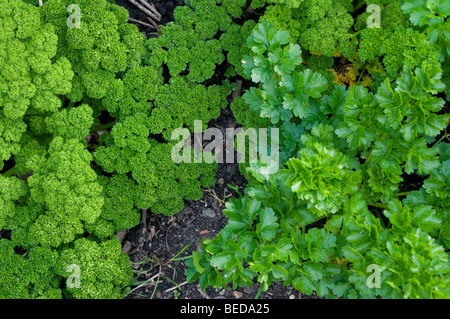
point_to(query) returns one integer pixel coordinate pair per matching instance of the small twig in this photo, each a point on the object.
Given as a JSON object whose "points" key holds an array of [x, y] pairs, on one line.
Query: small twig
{"points": [[167, 232], [157, 275], [192, 220], [238, 91], [143, 9], [152, 8], [140, 22], [175, 287], [216, 197], [148, 282], [204, 294], [153, 24], [144, 218]]}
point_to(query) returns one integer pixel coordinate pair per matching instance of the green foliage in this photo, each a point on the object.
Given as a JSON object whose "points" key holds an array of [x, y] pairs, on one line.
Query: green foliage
{"points": [[283, 93], [86, 122], [119, 212], [404, 48], [290, 4], [71, 197], [31, 73], [30, 276], [181, 102], [321, 177], [64, 193], [12, 189], [58, 196], [266, 231], [273, 57], [188, 44], [71, 123], [412, 34], [148, 107], [248, 118], [161, 184], [234, 42], [412, 263], [103, 269], [392, 125], [317, 25], [333, 213], [433, 16], [416, 111], [102, 47]]}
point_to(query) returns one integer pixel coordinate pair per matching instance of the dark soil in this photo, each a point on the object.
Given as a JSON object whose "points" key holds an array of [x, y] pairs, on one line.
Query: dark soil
{"points": [[158, 238]]}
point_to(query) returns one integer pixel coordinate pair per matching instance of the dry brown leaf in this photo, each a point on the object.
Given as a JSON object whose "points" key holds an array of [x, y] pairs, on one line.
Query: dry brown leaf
{"points": [[152, 233]]}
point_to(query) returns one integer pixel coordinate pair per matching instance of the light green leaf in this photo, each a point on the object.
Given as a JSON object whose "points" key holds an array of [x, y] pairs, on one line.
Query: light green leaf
{"points": [[314, 269], [267, 225]]}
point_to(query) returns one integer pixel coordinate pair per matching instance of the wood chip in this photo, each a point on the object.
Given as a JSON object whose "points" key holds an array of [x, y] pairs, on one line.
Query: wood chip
{"points": [[126, 247], [238, 294], [152, 233], [121, 235]]}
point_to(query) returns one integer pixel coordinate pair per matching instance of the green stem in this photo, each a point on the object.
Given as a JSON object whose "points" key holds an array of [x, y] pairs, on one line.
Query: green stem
{"points": [[355, 34], [359, 5], [362, 73], [71, 104], [259, 292], [9, 172], [377, 205], [403, 194], [440, 140], [103, 127]]}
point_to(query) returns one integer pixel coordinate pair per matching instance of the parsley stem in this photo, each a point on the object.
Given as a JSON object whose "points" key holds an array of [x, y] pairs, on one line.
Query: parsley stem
{"points": [[355, 34], [377, 205], [9, 172], [403, 194], [71, 104], [440, 140], [359, 5], [104, 126], [260, 290]]}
